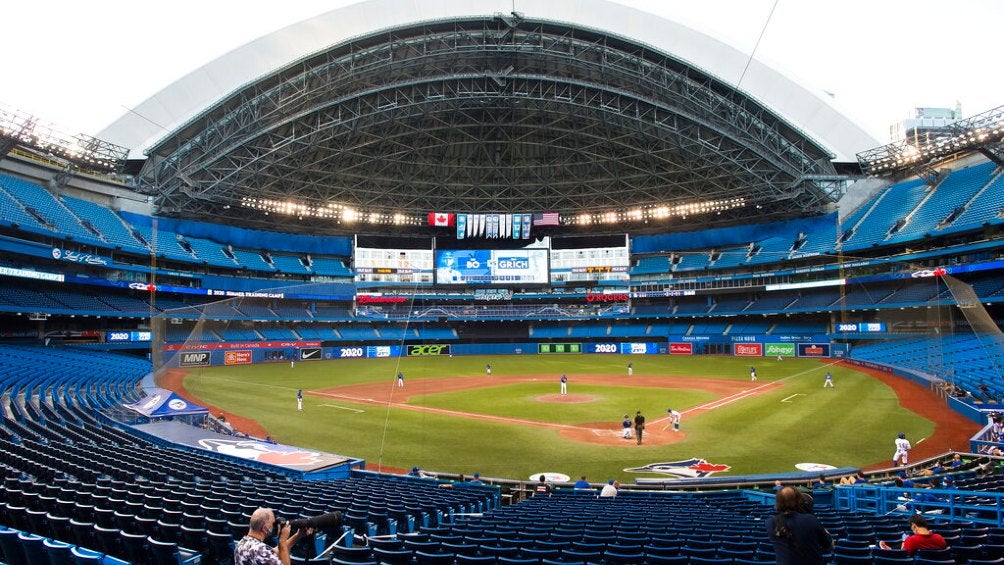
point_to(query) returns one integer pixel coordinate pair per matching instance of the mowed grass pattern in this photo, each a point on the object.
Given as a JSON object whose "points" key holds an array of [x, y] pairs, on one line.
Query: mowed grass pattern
{"points": [[852, 424]]}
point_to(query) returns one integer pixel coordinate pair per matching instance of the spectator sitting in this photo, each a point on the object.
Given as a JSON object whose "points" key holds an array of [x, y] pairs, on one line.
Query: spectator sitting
{"points": [[821, 482], [416, 472], [610, 489], [987, 467], [957, 461], [860, 478], [938, 468], [542, 487], [903, 481], [582, 483], [992, 450], [922, 537], [476, 479]]}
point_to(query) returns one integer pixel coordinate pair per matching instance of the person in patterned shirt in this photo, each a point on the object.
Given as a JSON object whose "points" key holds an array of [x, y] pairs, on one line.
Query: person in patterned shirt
{"points": [[252, 549]]}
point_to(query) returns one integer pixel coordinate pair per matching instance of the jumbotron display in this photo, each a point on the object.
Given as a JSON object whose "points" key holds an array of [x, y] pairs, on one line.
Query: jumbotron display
{"points": [[491, 266]]}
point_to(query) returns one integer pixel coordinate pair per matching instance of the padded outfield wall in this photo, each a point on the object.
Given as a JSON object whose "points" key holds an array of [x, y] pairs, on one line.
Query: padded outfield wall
{"points": [[247, 353]]}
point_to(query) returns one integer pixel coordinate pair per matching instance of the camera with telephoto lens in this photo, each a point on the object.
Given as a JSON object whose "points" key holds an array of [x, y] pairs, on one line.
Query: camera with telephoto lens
{"points": [[329, 521]]}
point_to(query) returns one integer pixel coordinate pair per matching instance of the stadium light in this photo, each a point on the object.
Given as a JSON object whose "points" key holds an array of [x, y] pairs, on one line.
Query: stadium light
{"points": [[83, 150]]}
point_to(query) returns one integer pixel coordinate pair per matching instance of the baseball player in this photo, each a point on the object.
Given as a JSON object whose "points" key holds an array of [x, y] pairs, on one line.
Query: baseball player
{"points": [[488, 369], [299, 399], [400, 379], [626, 424], [674, 417], [903, 448], [564, 384], [828, 380], [630, 369], [753, 373]]}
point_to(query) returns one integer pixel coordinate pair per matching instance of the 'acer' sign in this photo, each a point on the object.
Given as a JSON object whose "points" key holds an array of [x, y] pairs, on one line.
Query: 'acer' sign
{"points": [[425, 350]]}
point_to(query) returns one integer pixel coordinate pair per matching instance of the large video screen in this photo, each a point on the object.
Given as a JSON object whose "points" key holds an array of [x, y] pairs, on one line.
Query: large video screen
{"points": [[491, 267]]}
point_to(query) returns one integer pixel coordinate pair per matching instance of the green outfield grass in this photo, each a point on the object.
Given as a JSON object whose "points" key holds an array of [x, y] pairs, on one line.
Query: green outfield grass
{"points": [[852, 424]]}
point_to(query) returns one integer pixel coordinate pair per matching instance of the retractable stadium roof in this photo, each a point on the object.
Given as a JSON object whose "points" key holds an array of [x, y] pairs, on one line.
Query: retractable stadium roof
{"points": [[567, 106]]}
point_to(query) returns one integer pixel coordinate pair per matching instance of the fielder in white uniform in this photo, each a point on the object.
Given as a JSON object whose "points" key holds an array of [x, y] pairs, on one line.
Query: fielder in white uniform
{"points": [[674, 417], [903, 448]]}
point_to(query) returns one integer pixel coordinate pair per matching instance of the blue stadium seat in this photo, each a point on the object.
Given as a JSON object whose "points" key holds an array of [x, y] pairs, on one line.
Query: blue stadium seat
{"points": [[58, 553], [83, 556]]}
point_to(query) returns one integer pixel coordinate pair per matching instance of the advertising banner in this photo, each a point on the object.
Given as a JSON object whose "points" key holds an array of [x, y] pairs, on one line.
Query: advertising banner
{"points": [[747, 349], [782, 349], [602, 347], [310, 354], [681, 348], [242, 345], [639, 348], [193, 359], [241, 357], [814, 350], [427, 350], [559, 348]]}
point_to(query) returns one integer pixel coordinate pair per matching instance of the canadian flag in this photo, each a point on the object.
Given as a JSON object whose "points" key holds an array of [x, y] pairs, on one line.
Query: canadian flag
{"points": [[441, 219]]}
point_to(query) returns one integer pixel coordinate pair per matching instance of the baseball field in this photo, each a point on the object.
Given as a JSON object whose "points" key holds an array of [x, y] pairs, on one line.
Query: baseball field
{"points": [[451, 417]]}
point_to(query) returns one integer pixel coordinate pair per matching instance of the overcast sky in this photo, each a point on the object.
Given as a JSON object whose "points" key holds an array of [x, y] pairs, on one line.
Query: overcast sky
{"points": [[80, 65]]}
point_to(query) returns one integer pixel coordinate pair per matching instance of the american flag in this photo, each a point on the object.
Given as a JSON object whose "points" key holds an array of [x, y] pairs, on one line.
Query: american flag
{"points": [[546, 219]]}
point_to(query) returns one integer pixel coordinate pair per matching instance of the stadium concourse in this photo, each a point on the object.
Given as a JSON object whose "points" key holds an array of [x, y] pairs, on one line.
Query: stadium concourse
{"points": [[509, 194]]}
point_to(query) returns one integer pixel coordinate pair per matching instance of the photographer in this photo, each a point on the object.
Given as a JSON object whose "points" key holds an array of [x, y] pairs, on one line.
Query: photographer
{"points": [[252, 549], [798, 537]]}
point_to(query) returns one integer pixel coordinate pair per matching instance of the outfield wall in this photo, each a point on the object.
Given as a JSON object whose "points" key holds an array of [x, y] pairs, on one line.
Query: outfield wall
{"points": [[193, 355]]}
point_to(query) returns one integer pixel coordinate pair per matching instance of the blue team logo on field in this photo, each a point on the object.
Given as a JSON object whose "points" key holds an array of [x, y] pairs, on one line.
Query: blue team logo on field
{"points": [[689, 469], [273, 454]]}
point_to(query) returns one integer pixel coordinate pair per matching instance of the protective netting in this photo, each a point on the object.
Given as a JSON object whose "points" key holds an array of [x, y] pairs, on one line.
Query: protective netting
{"points": [[277, 324], [972, 344]]}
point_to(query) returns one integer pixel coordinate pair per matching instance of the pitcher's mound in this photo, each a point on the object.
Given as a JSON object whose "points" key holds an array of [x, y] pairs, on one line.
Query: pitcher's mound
{"points": [[566, 398]]}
